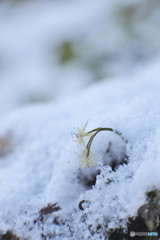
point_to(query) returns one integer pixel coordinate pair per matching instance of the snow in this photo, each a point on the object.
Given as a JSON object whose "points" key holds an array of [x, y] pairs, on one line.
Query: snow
{"points": [[43, 166], [112, 81]]}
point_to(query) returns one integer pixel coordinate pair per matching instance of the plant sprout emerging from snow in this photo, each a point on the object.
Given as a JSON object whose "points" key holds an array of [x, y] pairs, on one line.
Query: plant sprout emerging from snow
{"points": [[81, 135]]}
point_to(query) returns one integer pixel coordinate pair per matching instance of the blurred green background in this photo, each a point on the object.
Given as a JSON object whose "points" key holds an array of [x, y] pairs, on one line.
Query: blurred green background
{"points": [[50, 50]]}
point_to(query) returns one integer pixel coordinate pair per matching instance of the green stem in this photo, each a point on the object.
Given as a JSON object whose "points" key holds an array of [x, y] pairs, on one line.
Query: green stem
{"points": [[97, 130], [101, 129]]}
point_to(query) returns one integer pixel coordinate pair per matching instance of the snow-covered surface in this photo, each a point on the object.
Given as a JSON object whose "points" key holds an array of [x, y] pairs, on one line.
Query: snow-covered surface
{"points": [[116, 42], [43, 166]]}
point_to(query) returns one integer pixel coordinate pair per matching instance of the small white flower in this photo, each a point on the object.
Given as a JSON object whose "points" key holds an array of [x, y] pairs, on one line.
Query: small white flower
{"points": [[81, 134], [87, 161]]}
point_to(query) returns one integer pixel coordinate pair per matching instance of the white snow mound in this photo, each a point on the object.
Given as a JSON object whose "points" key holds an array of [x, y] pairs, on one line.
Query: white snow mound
{"points": [[42, 166]]}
